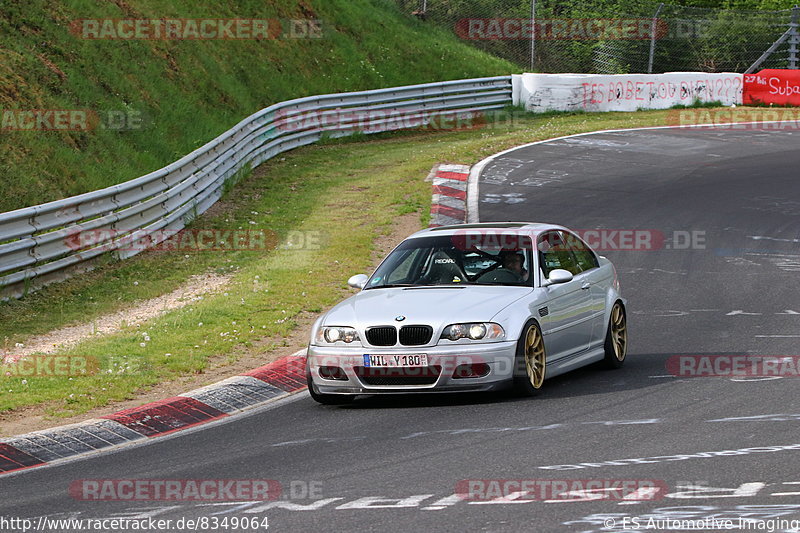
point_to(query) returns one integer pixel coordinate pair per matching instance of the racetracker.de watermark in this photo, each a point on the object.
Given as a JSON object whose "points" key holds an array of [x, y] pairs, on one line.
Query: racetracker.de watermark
{"points": [[379, 120], [600, 240], [561, 490], [642, 240], [734, 366], [209, 490], [56, 365], [184, 241], [171, 29], [492, 29], [734, 118], [49, 366], [71, 120]]}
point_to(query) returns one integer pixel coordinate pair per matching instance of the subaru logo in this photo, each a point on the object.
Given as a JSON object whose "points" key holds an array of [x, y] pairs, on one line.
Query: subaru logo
{"points": [[400, 318]]}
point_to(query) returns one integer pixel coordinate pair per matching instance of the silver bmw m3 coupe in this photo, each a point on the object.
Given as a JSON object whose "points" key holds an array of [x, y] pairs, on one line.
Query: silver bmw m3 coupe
{"points": [[471, 307]]}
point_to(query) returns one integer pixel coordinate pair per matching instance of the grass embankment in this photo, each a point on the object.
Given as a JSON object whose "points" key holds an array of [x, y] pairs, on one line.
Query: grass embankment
{"points": [[347, 193], [171, 96]]}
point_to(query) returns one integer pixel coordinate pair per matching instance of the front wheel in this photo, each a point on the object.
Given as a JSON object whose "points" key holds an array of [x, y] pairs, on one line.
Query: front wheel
{"points": [[616, 345], [530, 361], [326, 399]]}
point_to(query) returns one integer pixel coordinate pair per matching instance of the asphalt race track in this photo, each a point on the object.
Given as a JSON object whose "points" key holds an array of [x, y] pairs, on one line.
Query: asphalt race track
{"points": [[719, 277]]}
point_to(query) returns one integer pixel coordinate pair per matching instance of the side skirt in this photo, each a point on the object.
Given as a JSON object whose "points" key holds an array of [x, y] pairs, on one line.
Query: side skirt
{"points": [[564, 365]]}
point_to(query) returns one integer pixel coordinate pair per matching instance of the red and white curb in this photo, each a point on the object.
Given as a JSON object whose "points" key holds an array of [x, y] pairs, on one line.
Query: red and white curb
{"points": [[449, 201], [230, 396]]}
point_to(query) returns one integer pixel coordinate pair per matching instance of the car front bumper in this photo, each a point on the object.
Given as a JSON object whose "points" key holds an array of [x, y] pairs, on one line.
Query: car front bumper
{"points": [[499, 356]]}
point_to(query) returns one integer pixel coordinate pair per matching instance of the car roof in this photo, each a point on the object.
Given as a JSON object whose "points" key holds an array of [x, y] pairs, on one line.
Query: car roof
{"points": [[521, 228]]}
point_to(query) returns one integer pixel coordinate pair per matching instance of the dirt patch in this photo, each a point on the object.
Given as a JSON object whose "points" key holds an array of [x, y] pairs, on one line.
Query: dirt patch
{"points": [[402, 227], [69, 336], [34, 418]]}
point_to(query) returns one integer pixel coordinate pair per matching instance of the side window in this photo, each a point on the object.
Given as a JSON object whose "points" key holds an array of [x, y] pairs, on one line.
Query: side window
{"points": [[555, 253], [583, 255]]}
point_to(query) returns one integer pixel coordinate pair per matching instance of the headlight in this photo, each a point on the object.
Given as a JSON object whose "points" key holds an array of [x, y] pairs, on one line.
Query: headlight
{"points": [[476, 331], [333, 334]]}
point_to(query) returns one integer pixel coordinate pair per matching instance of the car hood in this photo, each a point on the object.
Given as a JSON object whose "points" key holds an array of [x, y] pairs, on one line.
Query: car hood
{"points": [[434, 306]]}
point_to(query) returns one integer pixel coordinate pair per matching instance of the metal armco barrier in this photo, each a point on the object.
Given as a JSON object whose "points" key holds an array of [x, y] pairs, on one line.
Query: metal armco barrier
{"points": [[38, 244]]}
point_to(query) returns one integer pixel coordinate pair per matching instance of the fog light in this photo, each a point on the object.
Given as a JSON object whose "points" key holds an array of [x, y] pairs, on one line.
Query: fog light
{"points": [[332, 372], [473, 370]]}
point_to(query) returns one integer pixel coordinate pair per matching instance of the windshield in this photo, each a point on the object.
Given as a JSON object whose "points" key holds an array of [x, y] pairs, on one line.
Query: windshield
{"points": [[464, 259]]}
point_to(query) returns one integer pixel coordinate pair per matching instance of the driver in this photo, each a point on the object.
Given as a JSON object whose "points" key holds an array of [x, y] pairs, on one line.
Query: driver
{"points": [[513, 261]]}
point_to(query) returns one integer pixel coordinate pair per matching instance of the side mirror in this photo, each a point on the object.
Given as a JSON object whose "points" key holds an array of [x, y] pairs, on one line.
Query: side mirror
{"points": [[359, 281], [558, 276]]}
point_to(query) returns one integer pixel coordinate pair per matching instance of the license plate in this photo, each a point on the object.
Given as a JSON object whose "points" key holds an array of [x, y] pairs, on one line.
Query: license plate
{"points": [[396, 361]]}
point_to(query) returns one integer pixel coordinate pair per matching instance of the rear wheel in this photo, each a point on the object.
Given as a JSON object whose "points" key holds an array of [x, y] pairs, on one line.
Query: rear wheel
{"points": [[530, 361], [326, 399], [616, 345]]}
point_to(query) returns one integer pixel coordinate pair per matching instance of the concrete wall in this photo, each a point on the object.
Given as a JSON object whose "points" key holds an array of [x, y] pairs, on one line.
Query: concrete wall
{"points": [[624, 92]]}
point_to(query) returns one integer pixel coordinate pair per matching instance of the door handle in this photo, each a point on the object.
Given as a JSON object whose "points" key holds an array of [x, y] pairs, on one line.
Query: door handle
{"points": [[586, 285]]}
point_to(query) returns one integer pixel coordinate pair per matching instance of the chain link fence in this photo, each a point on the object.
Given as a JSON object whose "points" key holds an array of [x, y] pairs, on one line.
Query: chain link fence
{"points": [[588, 38]]}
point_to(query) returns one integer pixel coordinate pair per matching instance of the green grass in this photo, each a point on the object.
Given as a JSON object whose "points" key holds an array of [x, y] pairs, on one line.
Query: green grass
{"points": [[188, 92], [348, 193], [698, 104]]}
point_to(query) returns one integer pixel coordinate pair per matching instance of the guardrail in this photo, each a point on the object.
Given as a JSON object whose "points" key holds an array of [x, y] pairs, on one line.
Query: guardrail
{"points": [[37, 243]]}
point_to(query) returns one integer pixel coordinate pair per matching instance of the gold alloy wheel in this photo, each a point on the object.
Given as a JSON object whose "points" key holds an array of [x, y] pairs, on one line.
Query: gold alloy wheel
{"points": [[534, 356], [619, 332]]}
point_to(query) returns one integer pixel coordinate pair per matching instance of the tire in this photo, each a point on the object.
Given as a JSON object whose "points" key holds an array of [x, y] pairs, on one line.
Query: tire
{"points": [[326, 399], [530, 361], [616, 344]]}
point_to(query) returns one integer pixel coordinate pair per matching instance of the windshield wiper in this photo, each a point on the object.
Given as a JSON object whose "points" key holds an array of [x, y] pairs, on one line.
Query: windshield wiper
{"points": [[391, 285]]}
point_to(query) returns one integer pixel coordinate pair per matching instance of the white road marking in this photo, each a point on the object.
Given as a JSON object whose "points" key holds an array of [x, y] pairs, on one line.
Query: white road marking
{"points": [[760, 418], [684, 492], [697, 491], [626, 422], [757, 518], [765, 378], [788, 493], [662, 313], [745, 490], [669, 458], [733, 312], [763, 238], [645, 421], [326, 440], [372, 502], [480, 430], [444, 503]]}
